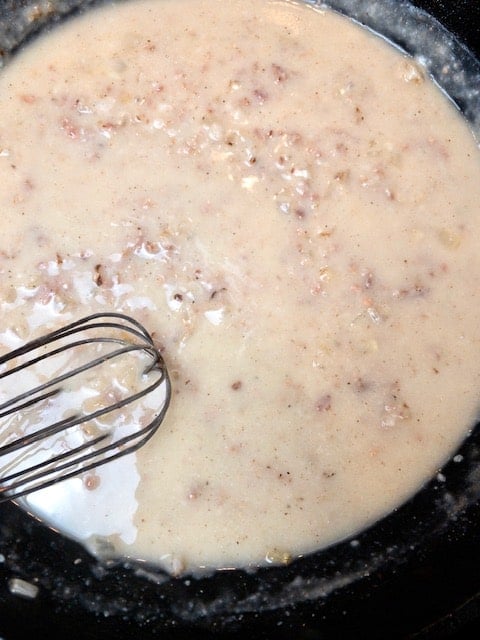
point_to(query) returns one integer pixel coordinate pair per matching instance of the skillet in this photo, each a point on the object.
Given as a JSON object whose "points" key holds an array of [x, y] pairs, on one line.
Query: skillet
{"points": [[415, 574]]}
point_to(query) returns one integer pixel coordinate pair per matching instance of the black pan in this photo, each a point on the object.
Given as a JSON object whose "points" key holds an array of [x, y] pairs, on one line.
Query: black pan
{"points": [[415, 574]]}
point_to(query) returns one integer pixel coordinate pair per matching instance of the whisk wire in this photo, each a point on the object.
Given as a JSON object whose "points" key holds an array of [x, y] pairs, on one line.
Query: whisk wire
{"points": [[101, 448], [39, 435], [143, 435], [70, 374], [87, 322], [25, 405], [53, 461]]}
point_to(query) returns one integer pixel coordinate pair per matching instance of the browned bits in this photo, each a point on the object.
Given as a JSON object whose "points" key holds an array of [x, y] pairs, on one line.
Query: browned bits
{"points": [[359, 117], [360, 385], [194, 493], [260, 95], [71, 130], [395, 409], [28, 98], [91, 481], [325, 403], [97, 276], [151, 247], [417, 290], [280, 74], [342, 176], [368, 280], [197, 489], [215, 292], [328, 474]]}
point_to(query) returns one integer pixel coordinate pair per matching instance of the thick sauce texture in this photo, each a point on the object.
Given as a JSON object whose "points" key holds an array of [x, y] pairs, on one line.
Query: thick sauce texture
{"points": [[291, 207]]}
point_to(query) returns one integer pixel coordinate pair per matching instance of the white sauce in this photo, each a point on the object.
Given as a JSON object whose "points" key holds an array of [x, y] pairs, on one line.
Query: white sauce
{"points": [[291, 207]]}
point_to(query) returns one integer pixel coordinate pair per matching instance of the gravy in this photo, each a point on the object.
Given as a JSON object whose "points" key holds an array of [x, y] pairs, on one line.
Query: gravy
{"points": [[290, 206]]}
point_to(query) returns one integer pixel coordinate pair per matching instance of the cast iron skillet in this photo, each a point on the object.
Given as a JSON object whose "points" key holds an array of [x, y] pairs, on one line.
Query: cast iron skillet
{"points": [[415, 574]]}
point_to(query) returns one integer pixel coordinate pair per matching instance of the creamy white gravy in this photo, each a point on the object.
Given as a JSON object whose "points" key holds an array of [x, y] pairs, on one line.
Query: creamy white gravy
{"points": [[291, 207]]}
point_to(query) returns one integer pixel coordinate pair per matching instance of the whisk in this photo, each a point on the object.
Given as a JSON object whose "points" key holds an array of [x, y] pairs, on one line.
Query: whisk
{"points": [[44, 439]]}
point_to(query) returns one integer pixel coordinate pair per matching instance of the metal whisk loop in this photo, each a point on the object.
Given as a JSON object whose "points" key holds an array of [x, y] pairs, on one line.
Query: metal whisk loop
{"points": [[39, 444]]}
